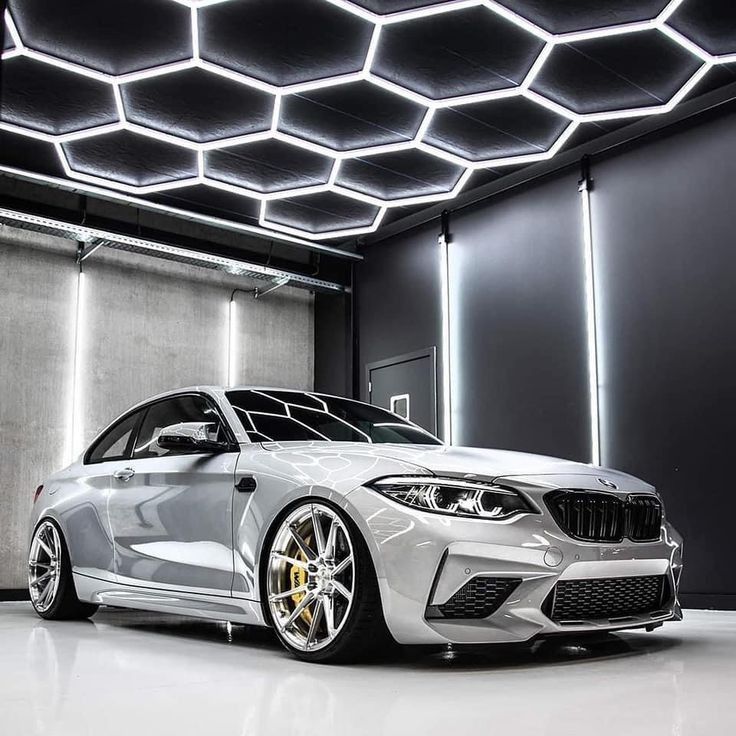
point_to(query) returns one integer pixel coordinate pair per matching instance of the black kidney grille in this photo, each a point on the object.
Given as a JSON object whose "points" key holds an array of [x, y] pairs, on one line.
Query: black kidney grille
{"points": [[596, 517], [643, 518], [602, 517], [605, 598], [479, 597]]}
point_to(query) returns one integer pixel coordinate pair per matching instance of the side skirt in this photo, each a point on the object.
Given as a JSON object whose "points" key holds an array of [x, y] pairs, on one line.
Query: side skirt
{"points": [[219, 608]]}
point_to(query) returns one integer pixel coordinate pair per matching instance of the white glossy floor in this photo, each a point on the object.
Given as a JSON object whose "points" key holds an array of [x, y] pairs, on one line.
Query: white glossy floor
{"points": [[134, 674]]}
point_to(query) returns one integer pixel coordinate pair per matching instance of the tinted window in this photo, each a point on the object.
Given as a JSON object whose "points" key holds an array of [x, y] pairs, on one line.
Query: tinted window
{"points": [[302, 416], [248, 401], [173, 411], [328, 425], [115, 443], [281, 428]]}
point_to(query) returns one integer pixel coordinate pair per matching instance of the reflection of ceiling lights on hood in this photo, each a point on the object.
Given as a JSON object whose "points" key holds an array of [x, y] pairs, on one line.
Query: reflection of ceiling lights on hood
{"points": [[283, 209]]}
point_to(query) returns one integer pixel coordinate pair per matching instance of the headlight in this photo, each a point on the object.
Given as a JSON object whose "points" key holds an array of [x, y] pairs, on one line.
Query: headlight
{"points": [[453, 496]]}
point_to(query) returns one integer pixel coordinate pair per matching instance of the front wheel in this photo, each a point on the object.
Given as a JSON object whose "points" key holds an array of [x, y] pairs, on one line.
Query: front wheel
{"points": [[50, 581], [321, 588]]}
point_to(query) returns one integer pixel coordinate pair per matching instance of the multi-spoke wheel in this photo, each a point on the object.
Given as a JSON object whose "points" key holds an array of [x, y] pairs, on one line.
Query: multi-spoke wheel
{"points": [[44, 566], [50, 581], [320, 585]]}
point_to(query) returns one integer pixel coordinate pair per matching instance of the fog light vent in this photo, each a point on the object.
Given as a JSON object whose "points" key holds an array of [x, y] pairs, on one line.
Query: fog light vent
{"points": [[478, 598]]}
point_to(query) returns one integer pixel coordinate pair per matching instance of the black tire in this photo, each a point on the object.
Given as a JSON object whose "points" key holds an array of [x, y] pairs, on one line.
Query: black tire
{"points": [[364, 635], [66, 606]]}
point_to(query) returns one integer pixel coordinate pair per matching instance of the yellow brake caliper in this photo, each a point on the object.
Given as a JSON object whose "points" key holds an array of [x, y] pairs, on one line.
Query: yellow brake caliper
{"points": [[298, 578]]}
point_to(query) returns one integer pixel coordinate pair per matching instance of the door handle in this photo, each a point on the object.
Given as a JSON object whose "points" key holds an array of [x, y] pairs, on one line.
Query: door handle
{"points": [[124, 474]]}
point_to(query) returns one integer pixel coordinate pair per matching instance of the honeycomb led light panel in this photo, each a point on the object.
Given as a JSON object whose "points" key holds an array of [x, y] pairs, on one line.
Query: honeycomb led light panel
{"points": [[326, 113]]}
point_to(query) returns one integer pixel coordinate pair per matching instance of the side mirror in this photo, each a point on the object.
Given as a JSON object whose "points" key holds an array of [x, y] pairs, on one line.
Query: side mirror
{"points": [[192, 437]]}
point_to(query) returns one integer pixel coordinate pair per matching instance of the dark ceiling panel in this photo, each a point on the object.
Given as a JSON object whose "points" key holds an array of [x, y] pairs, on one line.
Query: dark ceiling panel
{"points": [[710, 23], [267, 166], [456, 53], [197, 105], [394, 6], [209, 201], [283, 41], [52, 100], [112, 36], [485, 176], [350, 116], [130, 158], [616, 73], [397, 175], [319, 213], [497, 128], [565, 16], [29, 154]]}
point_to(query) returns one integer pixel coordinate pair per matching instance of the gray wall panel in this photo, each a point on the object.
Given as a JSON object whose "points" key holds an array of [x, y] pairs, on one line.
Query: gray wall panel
{"points": [[518, 323], [37, 288], [332, 344], [664, 223], [277, 346], [147, 326], [146, 332], [398, 297]]}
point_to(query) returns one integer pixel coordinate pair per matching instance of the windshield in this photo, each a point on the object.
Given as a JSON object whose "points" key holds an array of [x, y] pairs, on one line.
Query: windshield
{"points": [[283, 416]]}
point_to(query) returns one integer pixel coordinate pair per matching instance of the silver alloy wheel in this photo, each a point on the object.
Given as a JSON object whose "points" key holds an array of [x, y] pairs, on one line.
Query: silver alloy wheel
{"points": [[311, 580], [44, 566]]}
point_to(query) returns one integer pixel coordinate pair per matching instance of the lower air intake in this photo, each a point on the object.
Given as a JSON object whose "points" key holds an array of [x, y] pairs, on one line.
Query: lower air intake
{"points": [[605, 598], [478, 598]]}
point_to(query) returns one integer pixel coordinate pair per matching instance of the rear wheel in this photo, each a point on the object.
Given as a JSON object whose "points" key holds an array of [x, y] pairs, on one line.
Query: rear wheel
{"points": [[50, 580], [321, 588]]}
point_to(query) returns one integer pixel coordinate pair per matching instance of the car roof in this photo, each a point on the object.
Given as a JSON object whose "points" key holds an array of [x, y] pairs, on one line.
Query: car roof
{"points": [[217, 389]]}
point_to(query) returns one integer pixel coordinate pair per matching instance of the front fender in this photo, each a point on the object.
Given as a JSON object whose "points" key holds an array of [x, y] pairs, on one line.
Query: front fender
{"points": [[286, 475]]}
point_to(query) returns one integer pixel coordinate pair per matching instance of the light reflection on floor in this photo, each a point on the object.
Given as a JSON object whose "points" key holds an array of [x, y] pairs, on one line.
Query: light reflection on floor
{"points": [[131, 673]]}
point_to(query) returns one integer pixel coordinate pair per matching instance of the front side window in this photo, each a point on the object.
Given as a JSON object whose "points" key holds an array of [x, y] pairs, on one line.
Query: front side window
{"points": [[190, 408], [115, 443], [283, 416]]}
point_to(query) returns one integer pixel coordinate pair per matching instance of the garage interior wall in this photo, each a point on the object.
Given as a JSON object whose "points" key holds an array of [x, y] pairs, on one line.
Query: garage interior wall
{"points": [[145, 326], [663, 224], [397, 298]]}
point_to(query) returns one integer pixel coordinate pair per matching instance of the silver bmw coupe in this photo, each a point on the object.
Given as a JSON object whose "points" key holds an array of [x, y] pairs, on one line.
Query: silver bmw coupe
{"points": [[343, 526]]}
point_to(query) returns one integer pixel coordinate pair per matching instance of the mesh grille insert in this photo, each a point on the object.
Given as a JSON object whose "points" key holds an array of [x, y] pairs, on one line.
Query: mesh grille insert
{"points": [[478, 598], [605, 598]]}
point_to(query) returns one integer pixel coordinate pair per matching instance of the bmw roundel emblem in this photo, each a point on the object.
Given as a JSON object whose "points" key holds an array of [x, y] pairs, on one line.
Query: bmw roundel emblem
{"points": [[607, 483]]}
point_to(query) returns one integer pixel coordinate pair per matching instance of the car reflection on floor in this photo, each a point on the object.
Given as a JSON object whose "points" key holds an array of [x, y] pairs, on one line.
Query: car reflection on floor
{"points": [[133, 672]]}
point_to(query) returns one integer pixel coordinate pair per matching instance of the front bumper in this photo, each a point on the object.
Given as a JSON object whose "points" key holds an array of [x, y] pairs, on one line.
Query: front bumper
{"points": [[423, 559]]}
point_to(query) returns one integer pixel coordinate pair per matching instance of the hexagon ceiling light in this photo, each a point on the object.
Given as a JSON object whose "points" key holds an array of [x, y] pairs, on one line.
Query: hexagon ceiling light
{"points": [[406, 110]]}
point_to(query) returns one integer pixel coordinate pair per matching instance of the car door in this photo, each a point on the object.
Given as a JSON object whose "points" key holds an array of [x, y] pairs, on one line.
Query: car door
{"points": [[87, 522], [171, 510]]}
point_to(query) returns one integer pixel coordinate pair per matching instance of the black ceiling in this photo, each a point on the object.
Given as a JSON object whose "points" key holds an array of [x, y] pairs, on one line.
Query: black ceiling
{"points": [[317, 117]]}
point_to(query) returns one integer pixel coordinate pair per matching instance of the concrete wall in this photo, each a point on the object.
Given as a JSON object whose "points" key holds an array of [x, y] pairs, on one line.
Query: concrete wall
{"points": [[146, 326]]}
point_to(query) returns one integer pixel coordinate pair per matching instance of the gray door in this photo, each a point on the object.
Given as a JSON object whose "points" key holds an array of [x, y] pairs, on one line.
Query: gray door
{"points": [[406, 385], [171, 511]]}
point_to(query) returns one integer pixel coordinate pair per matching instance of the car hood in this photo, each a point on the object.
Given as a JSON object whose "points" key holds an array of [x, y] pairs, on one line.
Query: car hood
{"points": [[490, 464], [478, 461]]}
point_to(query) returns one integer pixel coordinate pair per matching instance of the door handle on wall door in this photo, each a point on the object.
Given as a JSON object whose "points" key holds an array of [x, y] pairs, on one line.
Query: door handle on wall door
{"points": [[124, 474]]}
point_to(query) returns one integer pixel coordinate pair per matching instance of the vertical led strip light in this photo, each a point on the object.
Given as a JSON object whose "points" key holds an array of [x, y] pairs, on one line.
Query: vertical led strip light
{"points": [[590, 315], [232, 334], [76, 429], [443, 242]]}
